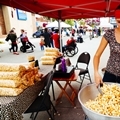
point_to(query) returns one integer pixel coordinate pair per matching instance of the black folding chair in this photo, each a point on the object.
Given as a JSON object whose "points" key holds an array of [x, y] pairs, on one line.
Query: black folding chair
{"points": [[84, 58], [57, 61], [43, 101]]}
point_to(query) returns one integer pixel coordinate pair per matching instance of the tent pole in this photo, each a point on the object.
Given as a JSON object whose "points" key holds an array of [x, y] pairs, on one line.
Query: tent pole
{"points": [[59, 27]]}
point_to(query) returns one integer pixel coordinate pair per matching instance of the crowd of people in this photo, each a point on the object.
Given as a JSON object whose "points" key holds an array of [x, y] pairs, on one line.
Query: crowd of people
{"points": [[52, 39], [48, 38]]}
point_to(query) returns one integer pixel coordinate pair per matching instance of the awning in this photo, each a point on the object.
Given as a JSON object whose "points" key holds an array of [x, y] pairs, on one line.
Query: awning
{"points": [[66, 9]]}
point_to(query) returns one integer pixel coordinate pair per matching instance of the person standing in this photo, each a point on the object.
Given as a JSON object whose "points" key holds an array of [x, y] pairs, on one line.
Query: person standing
{"points": [[73, 32], [42, 43], [99, 31], [13, 37], [51, 38], [111, 38], [56, 39], [46, 35]]}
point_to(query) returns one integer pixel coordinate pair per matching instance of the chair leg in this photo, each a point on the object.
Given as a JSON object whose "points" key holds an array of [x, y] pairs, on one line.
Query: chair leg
{"points": [[35, 116], [89, 77], [50, 115], [53, 107], [81, 81], [53, 91], [32, 116]]}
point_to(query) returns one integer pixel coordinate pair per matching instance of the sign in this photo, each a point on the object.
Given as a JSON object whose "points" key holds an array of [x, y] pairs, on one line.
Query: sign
{"points": [[21, 15]]}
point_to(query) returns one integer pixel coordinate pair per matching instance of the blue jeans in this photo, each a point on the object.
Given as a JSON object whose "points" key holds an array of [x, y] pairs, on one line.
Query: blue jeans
{"points": [[109, 77], [42, 47], [52, 44]]}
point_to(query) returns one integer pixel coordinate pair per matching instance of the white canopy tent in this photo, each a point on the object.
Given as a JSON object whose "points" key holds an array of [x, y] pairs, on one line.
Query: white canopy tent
{"points": [[106, 25], [55, 24], [104, 22]]}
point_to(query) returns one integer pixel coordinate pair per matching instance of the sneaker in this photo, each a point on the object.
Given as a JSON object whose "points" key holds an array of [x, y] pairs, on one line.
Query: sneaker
{"points": [[16, 53]]}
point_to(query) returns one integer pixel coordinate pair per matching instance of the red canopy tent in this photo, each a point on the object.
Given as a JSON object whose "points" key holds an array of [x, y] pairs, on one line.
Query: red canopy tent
{"points": [[66, 9]]}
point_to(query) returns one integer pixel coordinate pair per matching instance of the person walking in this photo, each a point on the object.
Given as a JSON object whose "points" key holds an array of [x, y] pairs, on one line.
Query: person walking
{"points": [[112, 71], [23, 37], [14, 33], [56, 39], [13, 37]]}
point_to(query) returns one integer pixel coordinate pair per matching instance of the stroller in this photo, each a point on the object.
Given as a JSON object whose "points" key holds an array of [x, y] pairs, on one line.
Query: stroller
{"points": [[29, 45]]}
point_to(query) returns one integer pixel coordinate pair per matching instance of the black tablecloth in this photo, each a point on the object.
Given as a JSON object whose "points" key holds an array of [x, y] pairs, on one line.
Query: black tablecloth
{"points": [[11, 108]]}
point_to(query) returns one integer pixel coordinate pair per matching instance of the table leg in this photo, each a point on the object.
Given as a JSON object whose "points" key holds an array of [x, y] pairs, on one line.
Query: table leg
{"points": [[72, 88], [70, 98], [74, 92], [62, 92]]}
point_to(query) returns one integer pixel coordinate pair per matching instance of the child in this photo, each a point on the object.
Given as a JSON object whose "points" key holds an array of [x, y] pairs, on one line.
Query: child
{"points": [[42, 43]]}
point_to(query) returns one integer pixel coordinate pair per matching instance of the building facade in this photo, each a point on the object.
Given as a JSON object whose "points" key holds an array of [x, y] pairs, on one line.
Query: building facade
{"points": [[18, 19]]}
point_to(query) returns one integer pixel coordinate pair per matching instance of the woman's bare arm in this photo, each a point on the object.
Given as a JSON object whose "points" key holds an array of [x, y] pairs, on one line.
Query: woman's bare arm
{"points": [[96, 59]]}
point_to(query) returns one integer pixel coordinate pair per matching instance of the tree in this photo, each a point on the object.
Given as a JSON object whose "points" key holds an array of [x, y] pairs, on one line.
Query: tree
{"points": [[93, 22], [81, 22], [69, 21]]}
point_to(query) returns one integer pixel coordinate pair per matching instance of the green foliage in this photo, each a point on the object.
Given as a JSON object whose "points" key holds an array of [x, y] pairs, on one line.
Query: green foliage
{"points": [[69, 21], [81, 22]]}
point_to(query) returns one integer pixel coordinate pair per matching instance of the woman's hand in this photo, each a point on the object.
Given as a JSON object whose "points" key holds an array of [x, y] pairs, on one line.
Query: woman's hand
{"points": [[98, 79]]}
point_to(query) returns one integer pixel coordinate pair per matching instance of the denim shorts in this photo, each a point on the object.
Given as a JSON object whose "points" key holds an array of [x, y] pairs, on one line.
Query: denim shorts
{"points": [[109, 77]]}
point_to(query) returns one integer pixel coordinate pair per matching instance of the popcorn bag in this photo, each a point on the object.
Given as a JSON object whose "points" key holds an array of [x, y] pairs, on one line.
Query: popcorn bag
{"points": [[50, 56], [14, 79]]}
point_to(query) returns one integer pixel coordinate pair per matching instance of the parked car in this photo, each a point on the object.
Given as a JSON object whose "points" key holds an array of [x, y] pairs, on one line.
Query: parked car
{"points": [[37, 34]]}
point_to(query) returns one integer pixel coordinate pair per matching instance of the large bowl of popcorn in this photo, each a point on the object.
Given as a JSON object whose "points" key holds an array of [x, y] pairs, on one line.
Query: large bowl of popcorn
{"points": [[98, 106]]}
